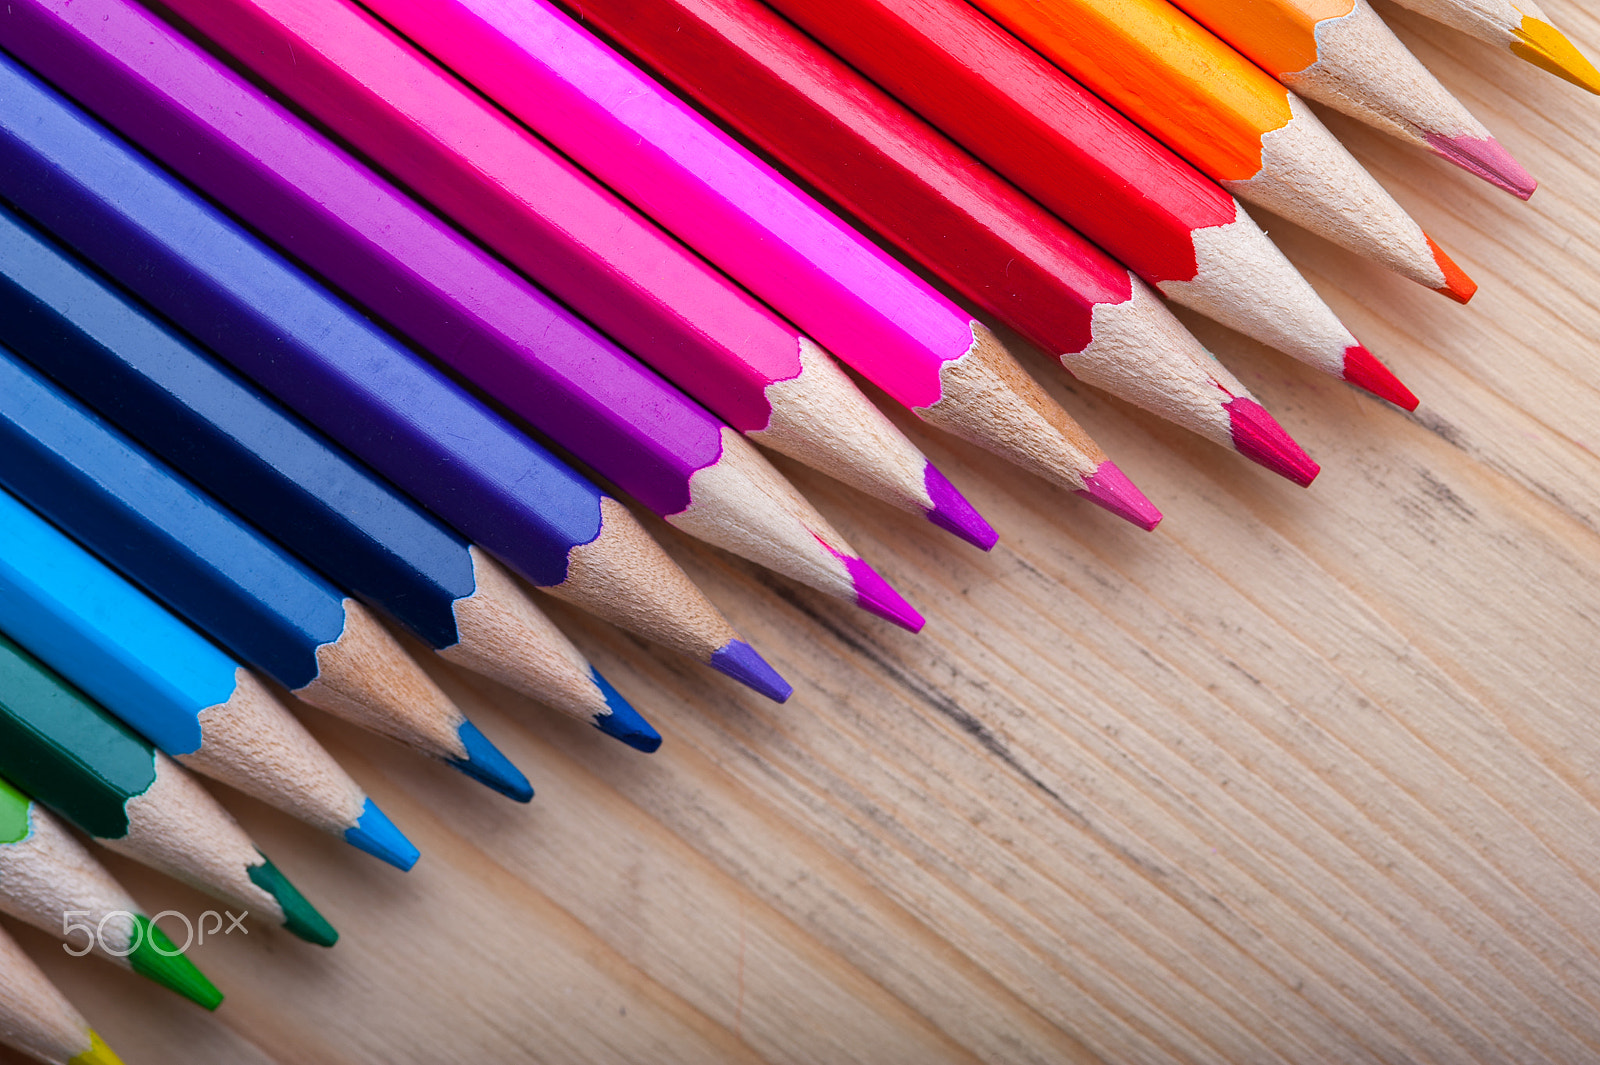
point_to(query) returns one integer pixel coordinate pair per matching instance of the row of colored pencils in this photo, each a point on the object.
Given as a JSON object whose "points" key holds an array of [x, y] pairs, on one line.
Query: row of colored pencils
{"points": [[284, 337]]}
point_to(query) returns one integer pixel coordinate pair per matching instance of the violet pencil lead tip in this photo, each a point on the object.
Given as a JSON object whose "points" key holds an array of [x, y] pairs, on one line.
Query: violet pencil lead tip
{"points": [[378, 836], [876, 596], [1362, 369], [744, 664], [485, 764], [1260, 438], [952, 513], [1486, 158], [623, 722], [1110, 488]]}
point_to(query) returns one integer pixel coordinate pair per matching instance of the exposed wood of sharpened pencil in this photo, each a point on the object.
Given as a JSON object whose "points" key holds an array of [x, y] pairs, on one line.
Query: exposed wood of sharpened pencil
{"points": [[224, 577], [946, 210], [1227, 117], [1173, 226], [48, 879], [37, 1019], [1343, 55], [1522, 28], [172, 685], [277, 472], [859, 302], [320, 357], [70, 755]]}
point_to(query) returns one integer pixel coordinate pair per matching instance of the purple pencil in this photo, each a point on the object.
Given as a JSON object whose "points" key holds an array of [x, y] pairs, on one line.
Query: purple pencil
{"points": [[457, 302]]}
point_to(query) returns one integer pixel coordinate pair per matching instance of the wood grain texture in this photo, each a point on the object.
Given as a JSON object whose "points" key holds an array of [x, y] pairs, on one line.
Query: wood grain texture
{"points": [[1300, 777]]}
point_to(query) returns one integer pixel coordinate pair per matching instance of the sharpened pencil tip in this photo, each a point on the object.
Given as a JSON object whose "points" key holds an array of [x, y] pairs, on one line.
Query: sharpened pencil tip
{"points": [[876, 596], [744, 664], [952, 513], [624, 722], [299, 916], [485, 764], [156, 957], [1109, 487], [1457, 285], [1259, 438], [97, 1054], [377, 835], [1486, 158], [1362, 369], [1545, 46]]}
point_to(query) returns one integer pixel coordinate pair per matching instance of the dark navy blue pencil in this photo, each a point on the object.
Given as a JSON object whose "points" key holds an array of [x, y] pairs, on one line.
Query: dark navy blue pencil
{"points": [[350, 379], [227, 579], [290, 481]]}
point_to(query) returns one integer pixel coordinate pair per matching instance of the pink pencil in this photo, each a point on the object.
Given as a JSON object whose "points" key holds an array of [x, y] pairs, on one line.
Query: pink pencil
{"points": [[876, 315]]}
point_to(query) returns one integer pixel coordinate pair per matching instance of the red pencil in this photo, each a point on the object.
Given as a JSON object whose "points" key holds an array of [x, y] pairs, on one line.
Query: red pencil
{"points": [[948, 211], [1103, 175]]}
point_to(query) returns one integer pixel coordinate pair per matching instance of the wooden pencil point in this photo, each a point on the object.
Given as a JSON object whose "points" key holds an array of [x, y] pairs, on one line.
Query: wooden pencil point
{"points": [[1362, 369], [1260, 438]]}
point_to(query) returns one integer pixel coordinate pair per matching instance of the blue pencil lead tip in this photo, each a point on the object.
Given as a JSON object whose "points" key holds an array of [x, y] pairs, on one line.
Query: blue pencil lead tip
{"points": [[485, 764], [624, 722], [376, 834], [744, 664]]}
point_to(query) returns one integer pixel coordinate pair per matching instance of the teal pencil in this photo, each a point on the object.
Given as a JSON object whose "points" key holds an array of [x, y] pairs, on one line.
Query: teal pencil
{"points": [[82, 763]]}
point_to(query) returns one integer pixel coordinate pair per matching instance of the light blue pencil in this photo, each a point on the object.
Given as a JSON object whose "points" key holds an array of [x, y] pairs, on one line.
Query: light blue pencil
{"points": [[172, 685]]}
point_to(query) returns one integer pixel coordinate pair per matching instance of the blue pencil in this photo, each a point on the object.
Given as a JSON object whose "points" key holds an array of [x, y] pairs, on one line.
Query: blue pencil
{"points": [[347, 377], [289, 480], [172, 685], [224, 577]]}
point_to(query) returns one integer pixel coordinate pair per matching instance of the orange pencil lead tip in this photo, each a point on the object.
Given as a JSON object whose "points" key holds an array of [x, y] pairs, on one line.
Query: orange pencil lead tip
{"points": [[1260, 438], [1362, 369], [1457, 285]]}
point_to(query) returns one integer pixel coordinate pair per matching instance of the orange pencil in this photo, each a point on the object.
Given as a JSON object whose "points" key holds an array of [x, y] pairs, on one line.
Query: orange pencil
{"points": [[1226, 116], [1340, 53], [1521, 28]]}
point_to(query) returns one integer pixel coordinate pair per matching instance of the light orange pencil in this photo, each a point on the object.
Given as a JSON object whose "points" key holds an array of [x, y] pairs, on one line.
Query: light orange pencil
{"points": [[1521, 28], [1230, 119], [1340, 53]]}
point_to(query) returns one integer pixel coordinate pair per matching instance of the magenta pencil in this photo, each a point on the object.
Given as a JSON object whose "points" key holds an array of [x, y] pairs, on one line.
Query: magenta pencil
{"points": [[455, 300], [810, 266]]}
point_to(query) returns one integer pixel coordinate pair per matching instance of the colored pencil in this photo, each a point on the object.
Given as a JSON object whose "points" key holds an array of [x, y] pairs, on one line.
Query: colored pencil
{"points": [[943, 208], [1343, 55], [1227, 117], [172, 685], [855, 299], [463, 305], [634, 282], [317, 355], [224, 577], [87, 767], [1058, 142], [48, 879], [37, 1019], [1521, 28], [288, 480]]}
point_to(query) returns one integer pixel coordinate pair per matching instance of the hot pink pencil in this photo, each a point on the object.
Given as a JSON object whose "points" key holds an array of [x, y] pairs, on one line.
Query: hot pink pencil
{"points": [[876, 315]]}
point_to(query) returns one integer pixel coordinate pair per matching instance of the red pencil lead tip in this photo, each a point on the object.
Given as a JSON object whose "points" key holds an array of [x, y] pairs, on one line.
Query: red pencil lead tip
{"points": [[1259, 438], [1362, 369], [1109, 487], [1457, 285]]}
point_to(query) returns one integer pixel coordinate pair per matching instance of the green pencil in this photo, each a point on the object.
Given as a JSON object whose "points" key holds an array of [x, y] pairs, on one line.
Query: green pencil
{"points": [[85, 765], [48, 879]]}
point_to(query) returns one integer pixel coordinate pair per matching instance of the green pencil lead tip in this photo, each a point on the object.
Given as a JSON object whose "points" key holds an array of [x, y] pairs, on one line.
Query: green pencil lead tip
{"points": [[299, 916], [157, 958]]}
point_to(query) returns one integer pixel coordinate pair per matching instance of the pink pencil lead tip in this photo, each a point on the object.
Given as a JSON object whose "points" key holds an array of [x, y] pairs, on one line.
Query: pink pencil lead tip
{"points": [[874, 594], [1488, 159], [1259, 438], [1109, 487], [952, 513]]}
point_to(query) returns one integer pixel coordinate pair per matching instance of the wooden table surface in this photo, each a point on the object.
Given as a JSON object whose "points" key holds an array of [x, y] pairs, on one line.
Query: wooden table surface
{"points": [[1303, 776]]}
